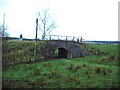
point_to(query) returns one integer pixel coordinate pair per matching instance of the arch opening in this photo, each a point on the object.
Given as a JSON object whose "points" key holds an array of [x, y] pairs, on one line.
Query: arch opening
{"points": [[62, 53]]}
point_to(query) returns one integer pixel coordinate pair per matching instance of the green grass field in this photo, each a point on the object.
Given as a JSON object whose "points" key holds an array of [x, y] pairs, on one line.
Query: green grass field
{"points": [[92, 71]]}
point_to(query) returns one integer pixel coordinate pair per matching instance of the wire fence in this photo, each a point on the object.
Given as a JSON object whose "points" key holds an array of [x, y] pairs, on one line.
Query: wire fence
{"points": [[49, 37], [64, 38]]}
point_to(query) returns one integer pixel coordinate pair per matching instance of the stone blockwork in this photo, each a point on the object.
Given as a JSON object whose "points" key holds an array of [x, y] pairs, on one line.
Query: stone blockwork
{"points": [[67, 49]]}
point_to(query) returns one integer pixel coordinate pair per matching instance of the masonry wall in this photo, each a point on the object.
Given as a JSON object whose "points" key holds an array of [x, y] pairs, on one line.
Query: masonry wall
{"points": [[74, 49]]}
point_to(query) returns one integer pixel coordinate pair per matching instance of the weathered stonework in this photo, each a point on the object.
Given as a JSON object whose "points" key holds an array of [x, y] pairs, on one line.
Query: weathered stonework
{"points": [[66, 49]]}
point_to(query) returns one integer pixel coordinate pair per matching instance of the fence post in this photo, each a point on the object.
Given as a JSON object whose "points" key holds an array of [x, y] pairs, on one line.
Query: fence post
{"points": [[77, 39], [66, 38], [50, 37], [58, 37], [73, 39], [81, 39], [35, 49]]}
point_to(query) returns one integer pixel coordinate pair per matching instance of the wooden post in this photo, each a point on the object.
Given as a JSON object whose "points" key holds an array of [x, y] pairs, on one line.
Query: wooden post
{"points": [[66, 38], [73, 39], [58, 37], [50, 37], [36, 29], [81, 39], [77, 39], [36, 40]]}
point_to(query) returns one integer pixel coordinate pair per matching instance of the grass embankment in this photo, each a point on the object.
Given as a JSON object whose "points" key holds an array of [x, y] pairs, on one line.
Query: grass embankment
{"points": [[21, 51], [93, 71]]}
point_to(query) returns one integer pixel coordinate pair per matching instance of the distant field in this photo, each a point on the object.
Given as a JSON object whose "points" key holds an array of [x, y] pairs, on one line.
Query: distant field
{"points": [[103, 42], [92, 71]]}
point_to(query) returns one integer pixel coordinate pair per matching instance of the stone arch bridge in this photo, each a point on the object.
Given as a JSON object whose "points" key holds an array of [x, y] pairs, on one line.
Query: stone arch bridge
{"points": [[67, 46], [66, 49]]}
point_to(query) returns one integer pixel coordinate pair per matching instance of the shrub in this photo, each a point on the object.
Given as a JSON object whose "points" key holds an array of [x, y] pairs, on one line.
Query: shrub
{"points": [[56, 52]]}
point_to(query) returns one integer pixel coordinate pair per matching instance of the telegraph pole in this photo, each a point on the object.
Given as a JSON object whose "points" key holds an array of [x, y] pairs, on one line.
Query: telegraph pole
{"points": [[36, 40], [3, 33]]}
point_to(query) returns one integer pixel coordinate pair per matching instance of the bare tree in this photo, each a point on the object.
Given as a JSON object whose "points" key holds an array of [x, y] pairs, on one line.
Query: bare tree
{"points": [[3, 31], [46, 23], [3, 28]]}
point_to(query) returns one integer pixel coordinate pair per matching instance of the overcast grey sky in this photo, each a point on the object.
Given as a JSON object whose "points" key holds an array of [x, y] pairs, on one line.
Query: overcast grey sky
{"points": [[91, 19]]}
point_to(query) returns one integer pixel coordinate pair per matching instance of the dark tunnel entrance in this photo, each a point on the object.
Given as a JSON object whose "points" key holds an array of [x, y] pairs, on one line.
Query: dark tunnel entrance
{"points": [[62, 53]]}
